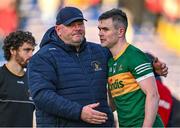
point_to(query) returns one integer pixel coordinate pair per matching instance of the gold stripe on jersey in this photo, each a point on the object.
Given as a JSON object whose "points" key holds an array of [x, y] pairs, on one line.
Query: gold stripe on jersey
{"points": [[121, 84], [121, 51]]}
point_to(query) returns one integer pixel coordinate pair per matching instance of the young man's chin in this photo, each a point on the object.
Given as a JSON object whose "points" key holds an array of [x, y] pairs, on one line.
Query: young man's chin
{"points": [[24, 65]]}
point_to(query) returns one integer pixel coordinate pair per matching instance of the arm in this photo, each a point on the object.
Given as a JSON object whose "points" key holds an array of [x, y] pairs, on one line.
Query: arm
{"points": [[149, 87], [42, 83]]}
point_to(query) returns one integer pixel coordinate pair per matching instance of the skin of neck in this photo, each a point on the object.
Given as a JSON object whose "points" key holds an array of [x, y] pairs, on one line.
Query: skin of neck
{"points": [[115, 49], [15, 68]]}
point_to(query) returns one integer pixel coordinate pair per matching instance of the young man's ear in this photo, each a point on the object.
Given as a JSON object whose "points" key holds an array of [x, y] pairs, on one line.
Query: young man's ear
{"points": [[12, 51], [121, 31]]}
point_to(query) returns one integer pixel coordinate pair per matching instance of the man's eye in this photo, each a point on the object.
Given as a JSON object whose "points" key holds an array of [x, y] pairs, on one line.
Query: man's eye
{"points": [[27, 50]]}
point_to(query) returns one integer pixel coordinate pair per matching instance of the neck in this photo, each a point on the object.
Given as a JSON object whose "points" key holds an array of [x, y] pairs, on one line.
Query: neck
{"points": [[118, 47], [15, 68]]}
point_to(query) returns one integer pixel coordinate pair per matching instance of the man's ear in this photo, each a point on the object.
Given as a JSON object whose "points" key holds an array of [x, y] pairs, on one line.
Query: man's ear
{"points": [[12, 51], [58, 29], [121, 31]]}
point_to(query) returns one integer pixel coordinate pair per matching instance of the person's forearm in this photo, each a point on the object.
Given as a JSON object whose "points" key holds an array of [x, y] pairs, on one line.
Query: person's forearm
{"points": [[151, 108]]}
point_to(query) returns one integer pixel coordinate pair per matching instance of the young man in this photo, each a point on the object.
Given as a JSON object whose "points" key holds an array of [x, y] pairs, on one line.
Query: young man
{"points": [[130, 79], [68, 76], [16, 106]]}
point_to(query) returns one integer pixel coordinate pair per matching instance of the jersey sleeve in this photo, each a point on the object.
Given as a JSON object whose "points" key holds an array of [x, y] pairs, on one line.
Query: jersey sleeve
{"points": [[140, 66]]}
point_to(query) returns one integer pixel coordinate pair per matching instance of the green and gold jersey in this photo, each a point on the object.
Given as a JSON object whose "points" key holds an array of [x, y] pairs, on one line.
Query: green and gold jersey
{"points": [[125, 71]]}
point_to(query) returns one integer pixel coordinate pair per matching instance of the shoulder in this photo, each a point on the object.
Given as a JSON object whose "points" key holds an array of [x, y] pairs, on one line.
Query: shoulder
{"points": [[99, 49], [2, 71], [1, 74], [45, 52], [48, 48], [1, 68], [134, 53], [42, 58], [135, 58], [94, 45], [133, 49], [138, 63]]}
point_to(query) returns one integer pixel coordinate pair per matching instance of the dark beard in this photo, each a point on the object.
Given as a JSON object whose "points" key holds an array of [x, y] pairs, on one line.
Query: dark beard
{"points": [[19, 60]]}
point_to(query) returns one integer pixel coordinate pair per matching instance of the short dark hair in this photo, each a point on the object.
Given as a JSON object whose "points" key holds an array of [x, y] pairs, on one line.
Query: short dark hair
{"points": [[118, 17], [16, 39]]}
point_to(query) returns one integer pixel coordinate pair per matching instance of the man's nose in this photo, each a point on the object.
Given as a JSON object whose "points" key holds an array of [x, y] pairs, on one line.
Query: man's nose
{"points": [[100, 33]]}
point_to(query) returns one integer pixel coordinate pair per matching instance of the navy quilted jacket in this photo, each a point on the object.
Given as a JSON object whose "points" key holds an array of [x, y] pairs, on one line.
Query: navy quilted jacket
{"points": [[62, 81]]}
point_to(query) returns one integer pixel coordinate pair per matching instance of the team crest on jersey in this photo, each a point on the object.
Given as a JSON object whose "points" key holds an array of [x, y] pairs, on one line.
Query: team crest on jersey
{"points": [[114, 67], [120, 68], [96, 65]]}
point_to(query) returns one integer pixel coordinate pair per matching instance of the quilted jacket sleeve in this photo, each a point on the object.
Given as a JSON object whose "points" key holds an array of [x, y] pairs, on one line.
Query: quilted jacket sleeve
{"points": [[42, 80]]}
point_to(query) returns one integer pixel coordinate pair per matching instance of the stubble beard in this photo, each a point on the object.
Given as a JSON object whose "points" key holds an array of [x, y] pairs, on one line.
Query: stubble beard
{"points": [[104, 45], [77, 44], [22, 62]]}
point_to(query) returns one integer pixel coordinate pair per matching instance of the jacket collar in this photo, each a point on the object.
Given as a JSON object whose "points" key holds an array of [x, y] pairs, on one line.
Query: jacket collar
{"points": [[51, 37]]}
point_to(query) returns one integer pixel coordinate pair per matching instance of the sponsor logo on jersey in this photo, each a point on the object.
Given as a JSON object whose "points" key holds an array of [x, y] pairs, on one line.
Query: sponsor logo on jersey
{"points": [[164, 104], [20, 82], [121, 84], [116, 84]]}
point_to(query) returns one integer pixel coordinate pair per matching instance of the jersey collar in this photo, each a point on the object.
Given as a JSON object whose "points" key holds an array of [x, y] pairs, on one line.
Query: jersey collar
{"points": [[121, 51]]}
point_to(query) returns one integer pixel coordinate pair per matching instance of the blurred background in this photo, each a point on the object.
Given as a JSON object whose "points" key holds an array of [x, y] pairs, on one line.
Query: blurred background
{"points": [[154, 26]]}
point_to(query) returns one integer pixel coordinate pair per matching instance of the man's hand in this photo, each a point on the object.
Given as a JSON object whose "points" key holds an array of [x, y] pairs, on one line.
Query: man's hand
{"points": [[90, 115], [160, 67]]}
